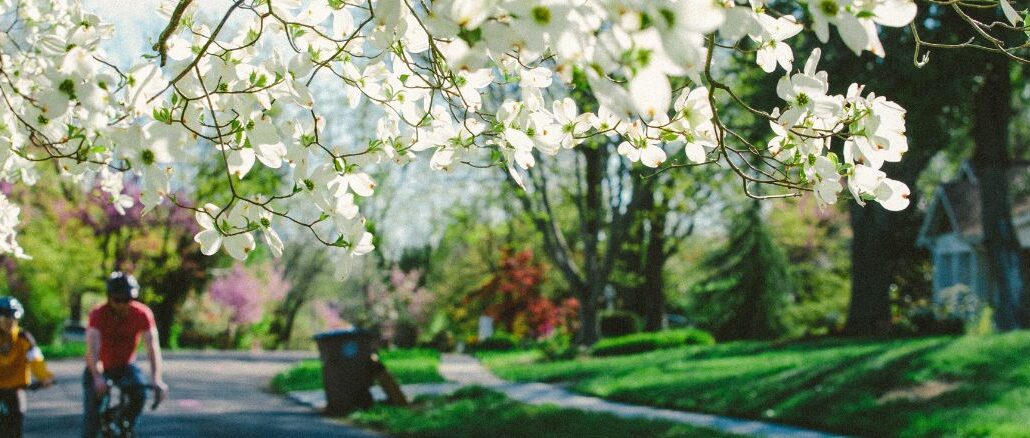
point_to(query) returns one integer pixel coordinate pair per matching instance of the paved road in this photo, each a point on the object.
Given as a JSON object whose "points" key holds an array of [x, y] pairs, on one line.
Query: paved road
{"points": [[212, 395]]}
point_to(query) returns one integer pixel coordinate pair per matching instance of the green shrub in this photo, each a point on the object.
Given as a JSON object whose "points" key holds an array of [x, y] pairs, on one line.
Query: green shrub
{"points": [[641, 342], [619, 323], [498, 342], [441, 341], [558, 347]]}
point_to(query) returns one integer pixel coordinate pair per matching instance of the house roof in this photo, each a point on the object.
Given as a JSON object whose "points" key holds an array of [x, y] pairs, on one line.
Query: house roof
{"points": [[956, 205]]}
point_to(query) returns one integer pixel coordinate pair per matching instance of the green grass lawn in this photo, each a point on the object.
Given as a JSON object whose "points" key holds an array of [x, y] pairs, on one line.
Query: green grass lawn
{"points": [[407, 366], [967, 386], [478, 412], [64, 350]]}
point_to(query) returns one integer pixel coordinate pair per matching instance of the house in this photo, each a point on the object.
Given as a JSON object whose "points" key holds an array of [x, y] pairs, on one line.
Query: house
{"points": [[953, 232]]}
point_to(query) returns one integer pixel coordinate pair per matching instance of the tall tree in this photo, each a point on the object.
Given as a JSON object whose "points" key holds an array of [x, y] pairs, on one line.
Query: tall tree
{"points": [[663, 212], [884, 242], [305, 270], [992, 163], [596, 220], [750, 281]]}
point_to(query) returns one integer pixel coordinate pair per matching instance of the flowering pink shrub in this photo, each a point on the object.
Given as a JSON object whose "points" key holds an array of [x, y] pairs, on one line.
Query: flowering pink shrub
{"points": [[401, 302], [328, 314], [245, 292]]}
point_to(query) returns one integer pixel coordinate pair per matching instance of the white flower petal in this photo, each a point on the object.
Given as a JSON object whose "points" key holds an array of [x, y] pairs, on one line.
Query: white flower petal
{"points": [[518, 139], [240, 161], [652, 156], [853, 33], [209, 241], [651, 93], [361, 183], [239, 245], [893, 195], [898, 13], [695, 152], [364, 245], [275, 244]]}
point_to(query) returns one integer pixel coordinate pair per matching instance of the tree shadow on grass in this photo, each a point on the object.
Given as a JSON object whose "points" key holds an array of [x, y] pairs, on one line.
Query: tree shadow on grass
{"points": [[706, 395], [828, 396], [990, 396], [981, 371], [835, 385], [802, 395]]}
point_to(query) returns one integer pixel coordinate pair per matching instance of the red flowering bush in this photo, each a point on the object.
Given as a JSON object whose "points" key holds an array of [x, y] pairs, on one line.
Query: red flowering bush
{"points": [[512, 297]]}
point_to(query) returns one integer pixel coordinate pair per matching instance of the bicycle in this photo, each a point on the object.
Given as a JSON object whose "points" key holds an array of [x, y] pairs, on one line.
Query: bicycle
{"points": [[114, 422], [8, 423]]}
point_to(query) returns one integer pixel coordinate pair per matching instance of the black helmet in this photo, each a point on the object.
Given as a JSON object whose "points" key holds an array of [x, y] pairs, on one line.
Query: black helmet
{"points": [[122, 286], [11, 307]]}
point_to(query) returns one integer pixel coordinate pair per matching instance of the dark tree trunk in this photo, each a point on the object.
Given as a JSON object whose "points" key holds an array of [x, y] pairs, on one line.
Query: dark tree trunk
{"points": [[883, 243], [75, 315], [303, 270], [633, 255], [991, 162], [173, 288], [282, 327], [652, 291], [872, 269], [642, 257], [595, 279], [164, 316]]}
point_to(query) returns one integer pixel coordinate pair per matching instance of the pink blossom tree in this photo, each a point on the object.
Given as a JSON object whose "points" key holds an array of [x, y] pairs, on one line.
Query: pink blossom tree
{"points": [[400, 305], [328, 315], [246, 292]]}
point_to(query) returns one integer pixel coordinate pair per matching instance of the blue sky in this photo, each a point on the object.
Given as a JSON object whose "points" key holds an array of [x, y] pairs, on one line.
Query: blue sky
{"points": [[137, 24]]}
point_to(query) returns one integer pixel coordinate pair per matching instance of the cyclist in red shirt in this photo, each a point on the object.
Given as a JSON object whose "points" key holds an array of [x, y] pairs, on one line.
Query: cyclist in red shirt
{"points": [[113, 332]]}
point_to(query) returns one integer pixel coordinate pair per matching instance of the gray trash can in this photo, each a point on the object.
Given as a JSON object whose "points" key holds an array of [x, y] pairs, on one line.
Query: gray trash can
{"points": [[348, 369]]}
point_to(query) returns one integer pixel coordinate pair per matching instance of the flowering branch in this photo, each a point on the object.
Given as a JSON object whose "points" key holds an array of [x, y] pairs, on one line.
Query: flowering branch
{"points": [[481, 82]]}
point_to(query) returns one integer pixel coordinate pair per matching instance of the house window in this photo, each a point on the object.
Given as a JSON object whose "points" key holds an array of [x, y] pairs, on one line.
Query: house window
{"points": [[964, 268], [943, 270], [952, 268]]}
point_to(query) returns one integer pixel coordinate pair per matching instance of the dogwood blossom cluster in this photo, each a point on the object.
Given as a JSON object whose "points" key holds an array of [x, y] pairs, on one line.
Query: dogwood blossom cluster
{"points": [[253, 85], [875, 133]]}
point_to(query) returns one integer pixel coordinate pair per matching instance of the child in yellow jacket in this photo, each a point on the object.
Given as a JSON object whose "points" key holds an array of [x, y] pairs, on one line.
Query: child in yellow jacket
{"points": [[20, 359]]}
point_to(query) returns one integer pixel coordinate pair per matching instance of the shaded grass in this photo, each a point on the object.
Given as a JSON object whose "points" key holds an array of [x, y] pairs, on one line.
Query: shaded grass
{"points": [[835, 385], [478, 412], [407, 366]]}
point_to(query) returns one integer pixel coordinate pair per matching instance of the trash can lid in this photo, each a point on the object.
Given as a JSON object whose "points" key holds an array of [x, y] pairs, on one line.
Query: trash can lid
{"points": [[348, 332]]}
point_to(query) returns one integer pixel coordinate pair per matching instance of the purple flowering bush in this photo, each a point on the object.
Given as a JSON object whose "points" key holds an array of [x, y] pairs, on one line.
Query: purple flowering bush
{"points": [[247, 294]]}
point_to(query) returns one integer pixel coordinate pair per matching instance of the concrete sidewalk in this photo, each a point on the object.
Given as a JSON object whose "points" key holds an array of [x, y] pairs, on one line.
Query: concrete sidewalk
{"points": [[463, 370]]}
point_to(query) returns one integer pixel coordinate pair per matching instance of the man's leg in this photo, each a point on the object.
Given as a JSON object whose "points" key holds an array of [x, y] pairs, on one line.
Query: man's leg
{"points": [[90, 404], [130, 380]]}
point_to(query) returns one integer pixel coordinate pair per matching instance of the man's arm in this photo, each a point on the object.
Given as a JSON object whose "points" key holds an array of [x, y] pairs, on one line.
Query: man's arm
{"points": [[93, 359], [150, 337], [93, 351]]}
